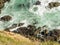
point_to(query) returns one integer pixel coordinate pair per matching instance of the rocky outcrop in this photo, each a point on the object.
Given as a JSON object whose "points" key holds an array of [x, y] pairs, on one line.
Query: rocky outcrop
{"points": [[53, 4]]}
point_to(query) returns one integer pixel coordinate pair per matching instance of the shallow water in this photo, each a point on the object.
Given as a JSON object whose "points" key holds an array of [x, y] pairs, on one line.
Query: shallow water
{"points": [[39, 14]]}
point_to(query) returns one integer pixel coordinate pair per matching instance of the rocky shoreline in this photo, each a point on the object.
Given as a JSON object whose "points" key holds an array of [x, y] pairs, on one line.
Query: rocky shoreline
{"points": [[40, 33], [33, 33]]}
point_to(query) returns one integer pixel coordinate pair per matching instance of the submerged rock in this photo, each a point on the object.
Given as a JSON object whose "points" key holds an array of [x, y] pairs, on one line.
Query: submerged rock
{"points": [[6, 18], [38, 3], [53, 4]]}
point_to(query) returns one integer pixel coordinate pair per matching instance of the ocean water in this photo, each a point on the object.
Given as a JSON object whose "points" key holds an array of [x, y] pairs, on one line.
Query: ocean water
{"points": [[38, 15]]}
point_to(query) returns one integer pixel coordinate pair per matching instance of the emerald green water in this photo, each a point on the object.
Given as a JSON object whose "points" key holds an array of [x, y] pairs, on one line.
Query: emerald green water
{"points": [[31, 13]]}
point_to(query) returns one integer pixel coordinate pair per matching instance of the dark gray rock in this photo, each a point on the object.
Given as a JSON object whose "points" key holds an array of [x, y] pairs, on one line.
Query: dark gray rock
{"points": [[6, 18], [20, 24], [37, 3]]}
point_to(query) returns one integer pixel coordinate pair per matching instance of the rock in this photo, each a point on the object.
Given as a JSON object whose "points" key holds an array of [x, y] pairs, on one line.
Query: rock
{"points": [[37, 31], [13, 26], [53, 4], [26, 30], [1, 5], [38, 3], [20, 24], [21, 30], [31, 27], [6, 18], [55, 32]]}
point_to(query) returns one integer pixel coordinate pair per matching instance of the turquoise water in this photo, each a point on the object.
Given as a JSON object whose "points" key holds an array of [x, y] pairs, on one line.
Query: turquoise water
{"points": [[31, 13]]}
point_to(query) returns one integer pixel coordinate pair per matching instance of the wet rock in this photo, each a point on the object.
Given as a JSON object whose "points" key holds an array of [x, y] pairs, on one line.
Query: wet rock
{"points": [[20, 24], [31, 27], [16, 25], [53, 4], [6, 18], [38, 3], [13, 26], [21, 30], [26, 30]]}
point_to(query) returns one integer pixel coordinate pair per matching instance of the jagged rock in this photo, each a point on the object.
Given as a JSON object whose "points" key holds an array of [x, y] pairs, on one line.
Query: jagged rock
{"points": [[6, 18], [53, 4]]}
